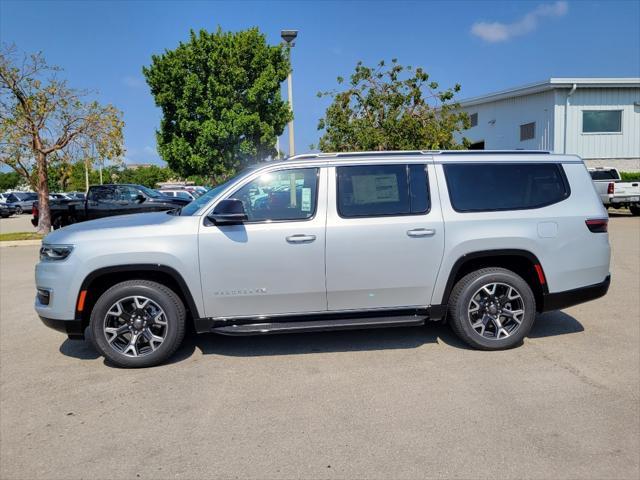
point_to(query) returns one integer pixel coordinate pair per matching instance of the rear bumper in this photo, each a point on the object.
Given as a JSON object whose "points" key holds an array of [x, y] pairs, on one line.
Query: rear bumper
{"points": [[34, 221], [568, 298], [73, 328]]}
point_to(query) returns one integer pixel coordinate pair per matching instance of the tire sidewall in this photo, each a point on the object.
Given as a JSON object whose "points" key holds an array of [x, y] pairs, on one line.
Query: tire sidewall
{"points": [[511, 279], [118, 292]]}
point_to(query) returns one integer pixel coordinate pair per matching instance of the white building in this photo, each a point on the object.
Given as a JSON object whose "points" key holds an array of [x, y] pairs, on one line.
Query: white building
{"points": [[596, 118]]}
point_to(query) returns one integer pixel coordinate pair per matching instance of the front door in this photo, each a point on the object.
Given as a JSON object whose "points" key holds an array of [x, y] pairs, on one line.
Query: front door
{"points": [[385, 236], [274, 262]]}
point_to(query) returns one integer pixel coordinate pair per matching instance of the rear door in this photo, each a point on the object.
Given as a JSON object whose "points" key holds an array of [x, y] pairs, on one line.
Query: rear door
{"points": [[385, 236]]}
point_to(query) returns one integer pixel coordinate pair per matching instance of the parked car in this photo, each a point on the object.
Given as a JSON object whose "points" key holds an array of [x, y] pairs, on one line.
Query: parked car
{"points": [[76, 195], [613, 191], [186, 194], [60, 196], [21, 201], [6, 210], [106, 201], [343, 241]]}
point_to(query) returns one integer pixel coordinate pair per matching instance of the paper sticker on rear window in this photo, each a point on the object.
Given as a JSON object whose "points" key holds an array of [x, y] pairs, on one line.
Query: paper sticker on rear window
{"points": [[375, 189]]}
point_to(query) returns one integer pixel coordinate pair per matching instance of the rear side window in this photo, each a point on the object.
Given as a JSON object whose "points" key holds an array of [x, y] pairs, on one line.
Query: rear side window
{"points": [[382, 190], [483, 187]]}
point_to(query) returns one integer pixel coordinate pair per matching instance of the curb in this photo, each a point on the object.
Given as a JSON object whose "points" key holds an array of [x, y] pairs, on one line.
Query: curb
{"points": [[20, 243]]}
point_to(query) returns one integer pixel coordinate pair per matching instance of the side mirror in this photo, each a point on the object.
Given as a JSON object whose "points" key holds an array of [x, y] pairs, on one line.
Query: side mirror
{"points": [[140, 198], [228, 212]]}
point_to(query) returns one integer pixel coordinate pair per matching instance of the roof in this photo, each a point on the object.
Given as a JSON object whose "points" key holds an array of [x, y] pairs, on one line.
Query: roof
{"points": [[439, 156], [552, 84]]}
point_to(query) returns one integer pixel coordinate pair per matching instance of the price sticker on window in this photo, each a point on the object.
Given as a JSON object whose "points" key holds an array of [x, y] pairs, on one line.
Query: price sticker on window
{"points": [[305, 205]]}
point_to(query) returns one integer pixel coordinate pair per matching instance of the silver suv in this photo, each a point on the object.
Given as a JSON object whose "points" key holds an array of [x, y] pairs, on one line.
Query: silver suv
{"points": [[337, 241]]}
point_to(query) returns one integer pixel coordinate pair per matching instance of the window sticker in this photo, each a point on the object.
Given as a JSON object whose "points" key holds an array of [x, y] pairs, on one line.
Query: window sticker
{"points": [[375, 189], [306, 200]]}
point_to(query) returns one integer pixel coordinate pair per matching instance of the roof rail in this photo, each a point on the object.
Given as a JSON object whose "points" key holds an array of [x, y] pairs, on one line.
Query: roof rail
{"points": [[404, 153]]}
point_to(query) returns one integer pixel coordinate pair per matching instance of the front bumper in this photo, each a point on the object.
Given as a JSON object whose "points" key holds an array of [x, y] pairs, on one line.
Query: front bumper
{"points": [[568, 298], [73, 328]]}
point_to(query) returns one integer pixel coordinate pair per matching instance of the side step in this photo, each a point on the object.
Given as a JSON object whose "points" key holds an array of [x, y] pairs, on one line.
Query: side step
{"points": [[320, 325]]}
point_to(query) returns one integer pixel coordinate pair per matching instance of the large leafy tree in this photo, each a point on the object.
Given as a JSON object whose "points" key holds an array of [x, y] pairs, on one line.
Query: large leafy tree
{"points": [[220, 99], [391, 108], [41, 118]]}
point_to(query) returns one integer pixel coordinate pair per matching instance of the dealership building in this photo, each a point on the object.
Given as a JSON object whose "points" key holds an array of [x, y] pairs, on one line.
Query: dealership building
{"points": [[596, 118]]}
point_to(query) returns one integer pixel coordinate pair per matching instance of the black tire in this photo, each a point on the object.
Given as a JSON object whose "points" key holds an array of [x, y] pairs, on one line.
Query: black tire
{"points": [[635, 210], [18, 210], [161, 295], [460, 303], [57, 222]]}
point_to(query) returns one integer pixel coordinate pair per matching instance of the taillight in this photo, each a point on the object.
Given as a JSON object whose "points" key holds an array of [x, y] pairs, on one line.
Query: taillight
{"points": [[610, 188], [597, 225]]}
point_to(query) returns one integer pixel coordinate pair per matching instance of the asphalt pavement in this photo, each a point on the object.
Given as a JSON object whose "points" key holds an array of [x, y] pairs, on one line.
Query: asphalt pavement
{"points": [[395, 403]]}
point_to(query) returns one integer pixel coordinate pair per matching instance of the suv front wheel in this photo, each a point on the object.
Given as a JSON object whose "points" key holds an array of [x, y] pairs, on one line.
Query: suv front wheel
{"points": [[492, 309], [138, 323]]}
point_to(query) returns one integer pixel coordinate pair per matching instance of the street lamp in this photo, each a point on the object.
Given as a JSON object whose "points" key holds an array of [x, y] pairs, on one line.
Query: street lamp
{"points": [[289, 36]]}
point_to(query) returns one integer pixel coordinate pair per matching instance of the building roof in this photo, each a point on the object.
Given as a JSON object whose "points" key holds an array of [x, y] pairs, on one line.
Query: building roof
{"points": [[552, 84]]}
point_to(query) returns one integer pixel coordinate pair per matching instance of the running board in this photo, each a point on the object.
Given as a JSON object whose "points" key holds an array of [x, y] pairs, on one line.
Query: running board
{"points": [[320, 325]]}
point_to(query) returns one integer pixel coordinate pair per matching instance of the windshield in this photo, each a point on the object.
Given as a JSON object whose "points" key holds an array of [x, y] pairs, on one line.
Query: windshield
{"points": [[205, 199], [149, 192]]}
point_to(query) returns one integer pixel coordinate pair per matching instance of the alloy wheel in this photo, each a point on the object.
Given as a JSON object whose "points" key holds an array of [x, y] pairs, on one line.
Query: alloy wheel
{"points": [[135, 326], [496, 311]]}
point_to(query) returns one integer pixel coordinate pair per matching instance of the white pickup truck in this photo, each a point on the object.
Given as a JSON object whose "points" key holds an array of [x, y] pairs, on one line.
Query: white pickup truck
{"points": [[614, 192]]}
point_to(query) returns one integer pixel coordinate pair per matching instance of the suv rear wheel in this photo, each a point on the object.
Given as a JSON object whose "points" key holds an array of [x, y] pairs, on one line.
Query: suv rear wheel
{"points": [[492, 309], [138, 323], [635, 210]]}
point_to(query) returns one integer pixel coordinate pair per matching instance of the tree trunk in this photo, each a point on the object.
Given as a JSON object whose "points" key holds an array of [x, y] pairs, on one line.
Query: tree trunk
{"points": [[44, 215]]}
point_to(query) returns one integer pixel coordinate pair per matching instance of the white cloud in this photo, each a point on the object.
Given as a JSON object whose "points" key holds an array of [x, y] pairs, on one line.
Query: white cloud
{"points": [[133, 82], [493, 32]]}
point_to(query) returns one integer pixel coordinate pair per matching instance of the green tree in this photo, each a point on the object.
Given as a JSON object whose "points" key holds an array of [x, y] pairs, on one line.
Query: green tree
{"points": [[9, 180], [41, 117], [147, 176], [391, 108], [220, 99]]}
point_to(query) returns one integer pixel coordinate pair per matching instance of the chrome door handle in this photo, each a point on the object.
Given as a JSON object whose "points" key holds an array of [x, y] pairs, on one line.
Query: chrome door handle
{"points": [[301, 238], [421, 232]]}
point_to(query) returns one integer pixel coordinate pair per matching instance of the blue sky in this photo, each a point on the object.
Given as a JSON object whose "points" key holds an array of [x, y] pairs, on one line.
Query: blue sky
{"points": [[484, 46]]}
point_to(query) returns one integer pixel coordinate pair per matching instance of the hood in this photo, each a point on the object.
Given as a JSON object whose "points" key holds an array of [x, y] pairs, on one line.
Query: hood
{"points": [[110, 227]]}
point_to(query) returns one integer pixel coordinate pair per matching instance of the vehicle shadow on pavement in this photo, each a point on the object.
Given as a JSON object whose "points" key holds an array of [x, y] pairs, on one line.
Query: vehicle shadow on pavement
{"points": [[551, 324], [320, 342], [546, 325]]}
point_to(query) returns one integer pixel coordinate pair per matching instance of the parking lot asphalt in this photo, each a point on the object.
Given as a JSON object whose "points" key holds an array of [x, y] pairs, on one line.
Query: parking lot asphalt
{"points": [[16, 223], [394, 403]]}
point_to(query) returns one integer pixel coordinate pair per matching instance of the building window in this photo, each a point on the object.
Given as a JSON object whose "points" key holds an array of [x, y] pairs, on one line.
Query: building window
{"points": [[528, 131], [601, 121], [473, 118]]}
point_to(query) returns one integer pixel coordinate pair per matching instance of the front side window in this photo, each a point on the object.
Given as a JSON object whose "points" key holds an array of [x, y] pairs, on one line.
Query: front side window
{"points": [[382, 190], [282, 195], [601, 121], [482, 187]]}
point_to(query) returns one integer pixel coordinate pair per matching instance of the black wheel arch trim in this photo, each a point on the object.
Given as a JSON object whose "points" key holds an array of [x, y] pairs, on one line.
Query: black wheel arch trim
{"points": [[141, 267], [488, 253]]}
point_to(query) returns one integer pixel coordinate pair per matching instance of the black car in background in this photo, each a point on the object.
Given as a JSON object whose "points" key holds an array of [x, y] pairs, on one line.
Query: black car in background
{"points": [[107, 201], [6, 210]]}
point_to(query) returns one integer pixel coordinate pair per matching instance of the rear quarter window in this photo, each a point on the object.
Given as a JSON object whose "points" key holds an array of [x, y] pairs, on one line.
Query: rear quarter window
{"points": [[485, 187]]}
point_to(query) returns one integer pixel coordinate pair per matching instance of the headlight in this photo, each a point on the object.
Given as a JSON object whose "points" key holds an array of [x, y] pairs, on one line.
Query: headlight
{"points": [[51, 253]]}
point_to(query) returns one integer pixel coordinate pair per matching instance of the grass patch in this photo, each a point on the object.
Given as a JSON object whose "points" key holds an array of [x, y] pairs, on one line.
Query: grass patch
{"points": [[8, 237]]}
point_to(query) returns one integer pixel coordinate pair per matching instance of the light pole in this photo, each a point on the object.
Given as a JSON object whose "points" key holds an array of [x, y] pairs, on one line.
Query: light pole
{"points": [[289, 36]]}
